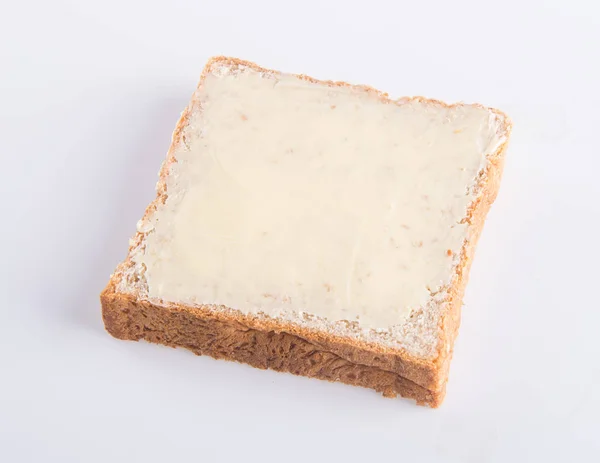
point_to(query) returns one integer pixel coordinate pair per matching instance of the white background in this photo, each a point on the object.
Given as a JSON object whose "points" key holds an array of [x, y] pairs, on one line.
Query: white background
{"points": [[89, 95]]}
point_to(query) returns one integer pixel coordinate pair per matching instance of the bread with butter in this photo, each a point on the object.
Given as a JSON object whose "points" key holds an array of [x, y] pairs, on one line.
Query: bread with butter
{"points": [[313, 227]]}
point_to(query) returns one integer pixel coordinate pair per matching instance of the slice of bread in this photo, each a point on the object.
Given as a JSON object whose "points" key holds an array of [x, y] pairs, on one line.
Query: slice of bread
{"points": [[313, 227]]}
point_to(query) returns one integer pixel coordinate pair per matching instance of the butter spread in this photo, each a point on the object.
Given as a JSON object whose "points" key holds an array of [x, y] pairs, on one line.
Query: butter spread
{"points": [[290, 196]]}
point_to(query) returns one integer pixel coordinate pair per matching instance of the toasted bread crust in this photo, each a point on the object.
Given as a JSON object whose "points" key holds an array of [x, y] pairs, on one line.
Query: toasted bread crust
{"points": [[204, 333], [224, 333]]}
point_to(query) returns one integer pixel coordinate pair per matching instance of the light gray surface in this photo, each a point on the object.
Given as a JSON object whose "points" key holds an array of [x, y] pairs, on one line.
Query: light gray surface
{"points": [[90, 93]]}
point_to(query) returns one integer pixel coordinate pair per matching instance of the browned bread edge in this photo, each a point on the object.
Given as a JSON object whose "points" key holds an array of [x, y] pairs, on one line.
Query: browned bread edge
{"points": [[204, 334]]}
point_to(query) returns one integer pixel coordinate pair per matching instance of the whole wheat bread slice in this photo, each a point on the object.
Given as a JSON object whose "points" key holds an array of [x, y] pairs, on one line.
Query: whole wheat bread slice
{"points": [[411, 360]]}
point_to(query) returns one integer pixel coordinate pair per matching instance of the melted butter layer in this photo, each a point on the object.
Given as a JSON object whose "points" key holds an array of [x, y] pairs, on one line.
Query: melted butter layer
{"points": [[294, 196]]}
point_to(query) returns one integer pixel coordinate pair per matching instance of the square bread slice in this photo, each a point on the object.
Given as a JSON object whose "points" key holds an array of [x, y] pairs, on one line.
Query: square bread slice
{"points": [[313, 227]]}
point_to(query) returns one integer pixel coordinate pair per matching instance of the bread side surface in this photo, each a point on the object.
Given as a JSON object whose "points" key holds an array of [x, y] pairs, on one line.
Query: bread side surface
{"points": [[429, 373], [204, 333]]}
